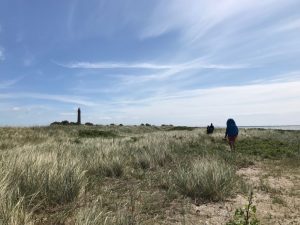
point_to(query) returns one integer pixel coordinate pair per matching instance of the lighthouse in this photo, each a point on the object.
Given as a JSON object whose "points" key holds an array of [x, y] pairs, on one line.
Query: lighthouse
{"points": [[78, 116]]}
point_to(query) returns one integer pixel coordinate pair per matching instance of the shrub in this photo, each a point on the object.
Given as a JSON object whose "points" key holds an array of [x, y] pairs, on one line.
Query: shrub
{"points": [[181, 128], [246, 215], [65, 122], [207, 179], [96, 133]]}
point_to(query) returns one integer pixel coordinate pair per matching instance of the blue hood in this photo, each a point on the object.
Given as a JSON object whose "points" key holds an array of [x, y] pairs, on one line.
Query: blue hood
{"points": [[232, 129]]}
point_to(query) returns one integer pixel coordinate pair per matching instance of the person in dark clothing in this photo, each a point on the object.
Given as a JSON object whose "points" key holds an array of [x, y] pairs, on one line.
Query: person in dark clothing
{"points": [[210, 129], [231, 133]]}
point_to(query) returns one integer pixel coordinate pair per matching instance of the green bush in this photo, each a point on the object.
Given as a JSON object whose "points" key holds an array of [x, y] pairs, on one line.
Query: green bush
{"points": [[181, 128], [207, 179], [96, 133]]}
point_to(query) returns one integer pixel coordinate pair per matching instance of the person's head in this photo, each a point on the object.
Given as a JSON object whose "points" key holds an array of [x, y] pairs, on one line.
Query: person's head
{"points": [[230, 122]]}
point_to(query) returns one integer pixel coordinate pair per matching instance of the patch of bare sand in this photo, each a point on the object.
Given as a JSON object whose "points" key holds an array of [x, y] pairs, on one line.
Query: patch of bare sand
{"points": [[251, 175], [280, 183], [278, 204]]}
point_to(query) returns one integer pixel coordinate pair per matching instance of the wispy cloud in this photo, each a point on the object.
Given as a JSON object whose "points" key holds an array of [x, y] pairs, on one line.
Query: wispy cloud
{"points": [[194, 18], [165, 71], [197, 18], [26, 108], [201, 106], [289, 25], [193, 64], [9, 83], [2, 56], [107, 65], [29, 60], [67, 113], [58, 98], [197, 64]]}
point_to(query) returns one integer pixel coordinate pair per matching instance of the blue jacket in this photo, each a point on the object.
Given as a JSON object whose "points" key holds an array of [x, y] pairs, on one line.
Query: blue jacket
{"points": [[231, 129]]}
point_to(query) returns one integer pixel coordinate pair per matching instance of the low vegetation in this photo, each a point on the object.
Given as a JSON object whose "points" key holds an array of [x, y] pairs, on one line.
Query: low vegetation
{"points": [[127, 175], [209, 179], [245, 215]]}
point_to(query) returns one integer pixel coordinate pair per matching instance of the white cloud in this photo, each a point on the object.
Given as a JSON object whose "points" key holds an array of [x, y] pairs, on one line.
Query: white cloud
{"points": [[180, 69], [195, 18], [104, 65], [259, 104], [16, 108], [2, 56], [288, 25], [28, 61], [58, 98], [198, 63], [165, 70], [250, 104], [9, 83], [68, 114]]}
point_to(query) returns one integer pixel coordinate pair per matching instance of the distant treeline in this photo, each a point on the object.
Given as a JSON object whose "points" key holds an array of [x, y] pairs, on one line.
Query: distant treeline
{"points": [[66, 122]]}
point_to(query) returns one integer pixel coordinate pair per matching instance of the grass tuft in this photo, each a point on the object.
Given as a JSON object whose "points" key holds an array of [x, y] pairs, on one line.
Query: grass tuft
{"points": [[208, 179]]}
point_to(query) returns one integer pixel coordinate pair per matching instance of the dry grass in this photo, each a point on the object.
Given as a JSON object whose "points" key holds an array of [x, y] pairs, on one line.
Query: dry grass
{"points": [[121, 175], [208, 178]]}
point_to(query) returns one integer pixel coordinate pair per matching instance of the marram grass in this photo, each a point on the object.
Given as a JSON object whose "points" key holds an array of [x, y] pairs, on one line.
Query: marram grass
{"points": [[207, 178], [46, 170]]}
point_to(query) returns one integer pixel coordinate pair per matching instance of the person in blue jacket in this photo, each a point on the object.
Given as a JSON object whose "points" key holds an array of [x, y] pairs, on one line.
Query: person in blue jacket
{"points": [[231, 133]]}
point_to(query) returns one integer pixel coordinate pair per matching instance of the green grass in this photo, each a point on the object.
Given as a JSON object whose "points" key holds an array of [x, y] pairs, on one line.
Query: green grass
{"points": [[181, 128], [209, 179], [124, 174], [273, 144], [96, 133]]}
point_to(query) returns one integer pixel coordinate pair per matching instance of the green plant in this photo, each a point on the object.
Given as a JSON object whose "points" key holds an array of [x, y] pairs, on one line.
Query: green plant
{"points": [[96, 133], [181, 128], [14, 214], [105, 166], [246, 215], [49, 183], [209, 179]]}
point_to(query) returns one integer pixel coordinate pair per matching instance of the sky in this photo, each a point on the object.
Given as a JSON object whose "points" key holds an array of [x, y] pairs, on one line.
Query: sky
{"points": [[181, 62]]}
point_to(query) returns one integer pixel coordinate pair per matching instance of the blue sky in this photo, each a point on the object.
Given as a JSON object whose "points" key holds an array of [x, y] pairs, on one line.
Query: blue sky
{"points": [[160, 62]]}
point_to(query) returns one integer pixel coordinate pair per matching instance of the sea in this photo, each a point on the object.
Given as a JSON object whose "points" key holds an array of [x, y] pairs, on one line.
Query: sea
{"points": [[286, 127]]}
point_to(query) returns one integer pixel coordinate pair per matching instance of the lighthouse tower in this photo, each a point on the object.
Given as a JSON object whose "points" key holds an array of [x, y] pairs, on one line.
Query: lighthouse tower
{"points": [[78, 116]]}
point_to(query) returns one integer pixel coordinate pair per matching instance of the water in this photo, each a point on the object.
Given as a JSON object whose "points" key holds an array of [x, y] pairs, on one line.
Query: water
{"points": [[288, 127]]}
